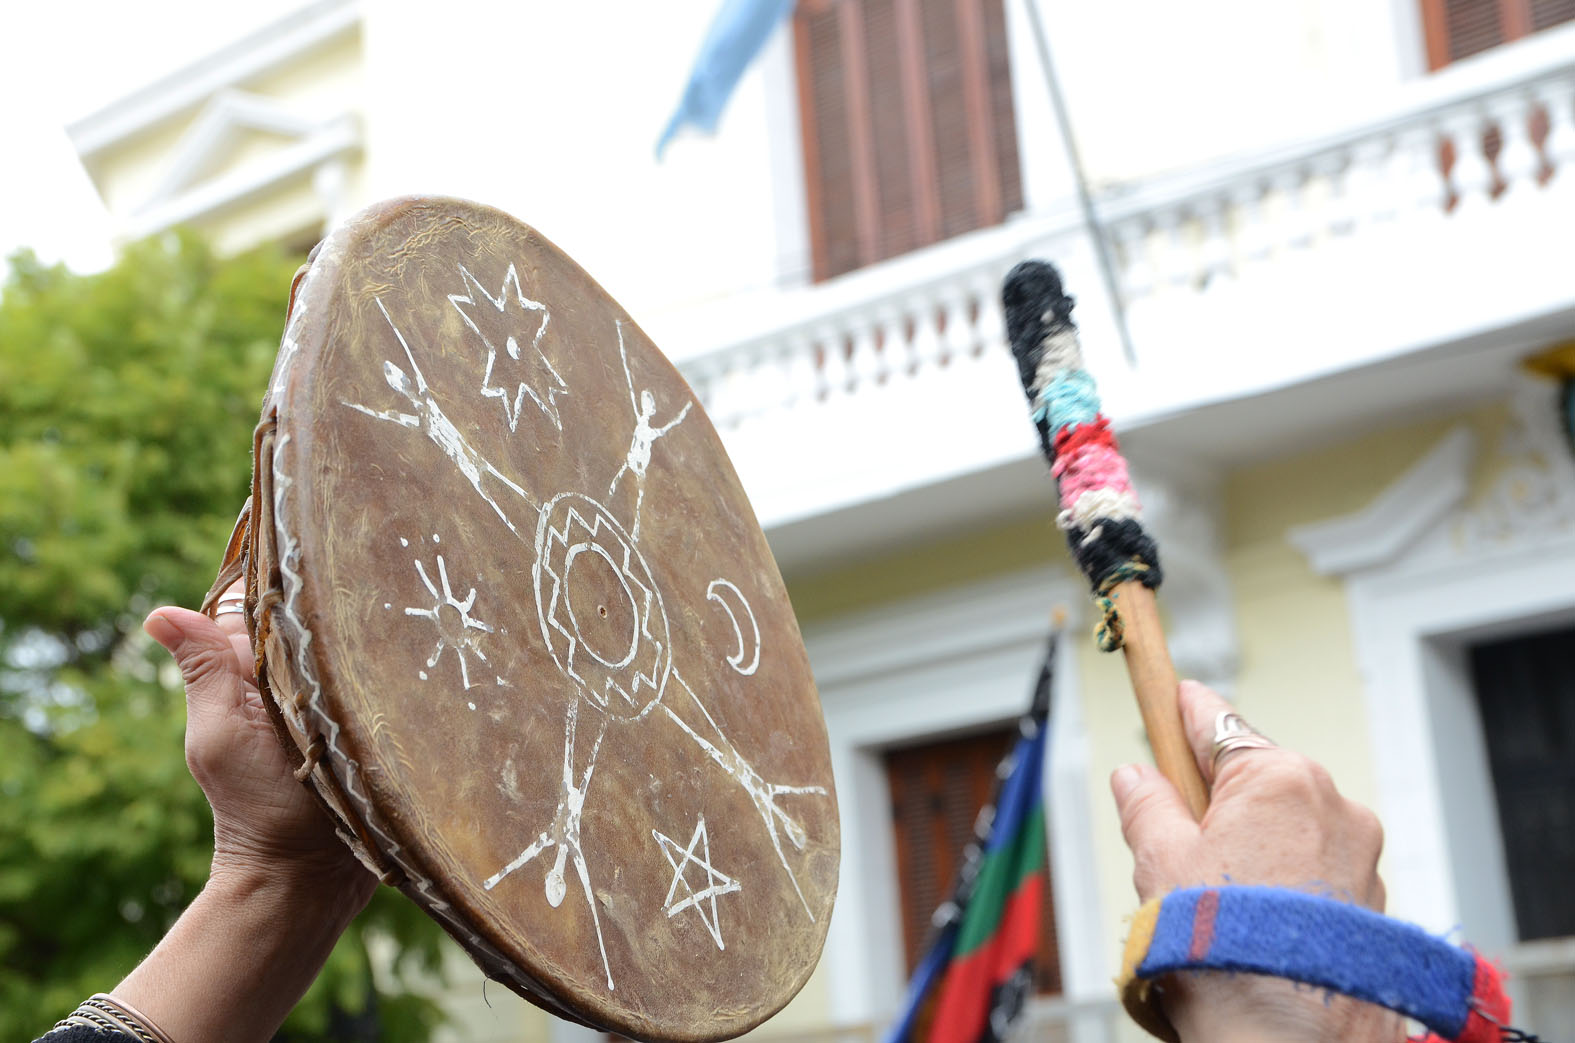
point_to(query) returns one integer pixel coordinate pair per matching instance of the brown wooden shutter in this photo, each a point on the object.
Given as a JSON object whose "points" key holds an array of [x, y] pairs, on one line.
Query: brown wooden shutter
{"points": [[937, 790], [908, 125], [1547, 13], [1456, 29]]}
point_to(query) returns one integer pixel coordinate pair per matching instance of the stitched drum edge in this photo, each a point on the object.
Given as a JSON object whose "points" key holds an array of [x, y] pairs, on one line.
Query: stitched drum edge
{"points": [[285, 622]]}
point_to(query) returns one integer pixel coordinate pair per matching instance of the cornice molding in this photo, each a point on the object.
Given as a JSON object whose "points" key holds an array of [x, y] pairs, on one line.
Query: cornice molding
{"points": [[981, 617], [1414, 503], [339, 138], [228, 114], [259, 52]]}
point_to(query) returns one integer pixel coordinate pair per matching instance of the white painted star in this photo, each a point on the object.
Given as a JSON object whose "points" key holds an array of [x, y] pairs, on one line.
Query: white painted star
{"points": [[717, 883], [514, 370]]}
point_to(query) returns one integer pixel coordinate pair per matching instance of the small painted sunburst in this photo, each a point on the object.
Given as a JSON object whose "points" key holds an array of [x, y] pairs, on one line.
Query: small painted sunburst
{"points": [[456, 627]]}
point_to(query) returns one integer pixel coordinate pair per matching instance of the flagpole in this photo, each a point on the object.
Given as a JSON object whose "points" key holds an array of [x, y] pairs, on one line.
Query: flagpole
{"points": [[1085, 199]]}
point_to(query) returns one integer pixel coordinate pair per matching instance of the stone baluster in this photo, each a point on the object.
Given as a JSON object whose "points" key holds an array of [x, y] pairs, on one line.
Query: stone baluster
{"points": [[702, 380], [864, 362], [925, 346], [1472, 175], [893, 324], [1424, 191], [1556, 96], [990, 324], [764, 379], [1518, 162], [1333, 169], [959, 324], [1252, 226], [1177, 271], [729, 391], [744, 385], [1214, 261], [1136, 270], [1369, 195], [1295, 230], [835, 372], [801, 376]]}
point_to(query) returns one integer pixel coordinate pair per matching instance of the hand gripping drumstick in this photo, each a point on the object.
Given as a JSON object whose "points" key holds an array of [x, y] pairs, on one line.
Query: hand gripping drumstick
{"points": [[1099, 510]]}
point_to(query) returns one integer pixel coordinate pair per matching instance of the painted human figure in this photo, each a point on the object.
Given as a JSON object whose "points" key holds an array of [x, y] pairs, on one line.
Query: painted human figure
{"points": [[563, 832], [643, 439], [431, 421]]}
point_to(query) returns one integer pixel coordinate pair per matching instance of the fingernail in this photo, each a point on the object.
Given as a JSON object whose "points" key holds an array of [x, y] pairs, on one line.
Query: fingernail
{"points": [[1125, 780], [163, 630]]}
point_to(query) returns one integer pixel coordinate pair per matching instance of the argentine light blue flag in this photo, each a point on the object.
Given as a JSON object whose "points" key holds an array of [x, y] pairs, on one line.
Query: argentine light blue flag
{"points": [[740, 29]]}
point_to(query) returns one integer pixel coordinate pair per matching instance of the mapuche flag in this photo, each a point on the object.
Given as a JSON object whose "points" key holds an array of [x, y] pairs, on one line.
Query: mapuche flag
{"points": [[986, 936]]}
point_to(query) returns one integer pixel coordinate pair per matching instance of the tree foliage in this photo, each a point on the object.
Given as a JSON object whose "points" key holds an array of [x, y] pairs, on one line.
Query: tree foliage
{"points": [[127, 402]]}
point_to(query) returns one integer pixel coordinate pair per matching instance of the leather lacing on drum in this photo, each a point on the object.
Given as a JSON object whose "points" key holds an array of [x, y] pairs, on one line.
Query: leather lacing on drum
{"points": [[271, 609]]}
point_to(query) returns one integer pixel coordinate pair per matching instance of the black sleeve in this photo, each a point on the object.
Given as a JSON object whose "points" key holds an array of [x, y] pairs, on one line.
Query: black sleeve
{"points": [[82, 1034]]}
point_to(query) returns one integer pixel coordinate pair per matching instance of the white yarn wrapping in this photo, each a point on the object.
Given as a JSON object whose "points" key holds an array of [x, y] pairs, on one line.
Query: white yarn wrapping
{"points": [[1059, 352], [1097, 505]]}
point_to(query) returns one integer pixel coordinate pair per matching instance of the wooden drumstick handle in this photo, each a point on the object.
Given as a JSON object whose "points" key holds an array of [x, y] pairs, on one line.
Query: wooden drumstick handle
{"points": [[1154, 683]]}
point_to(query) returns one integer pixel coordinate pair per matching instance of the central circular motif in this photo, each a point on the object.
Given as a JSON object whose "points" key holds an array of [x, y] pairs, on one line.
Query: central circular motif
{"points": [[601, 605], [600, 612]]}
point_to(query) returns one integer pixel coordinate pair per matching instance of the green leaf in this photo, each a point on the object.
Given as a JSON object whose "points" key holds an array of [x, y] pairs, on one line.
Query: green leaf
{"points": [[127, 403]]}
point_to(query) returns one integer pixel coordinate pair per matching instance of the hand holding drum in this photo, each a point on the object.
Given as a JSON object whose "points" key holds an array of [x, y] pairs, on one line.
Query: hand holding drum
{"points": [[521, 635]]}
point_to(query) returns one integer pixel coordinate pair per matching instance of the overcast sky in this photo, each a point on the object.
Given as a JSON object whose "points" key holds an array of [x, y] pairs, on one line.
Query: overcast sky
{"points": [[64, 59]]}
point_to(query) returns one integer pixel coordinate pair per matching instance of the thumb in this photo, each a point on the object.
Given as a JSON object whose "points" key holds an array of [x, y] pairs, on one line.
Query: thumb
{"points": [[1154, 820], [201, 650]]}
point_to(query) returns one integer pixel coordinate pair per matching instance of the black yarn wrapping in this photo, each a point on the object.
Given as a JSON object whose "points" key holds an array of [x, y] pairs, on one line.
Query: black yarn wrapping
{"points": [[1115, 545], [1031, 295]]}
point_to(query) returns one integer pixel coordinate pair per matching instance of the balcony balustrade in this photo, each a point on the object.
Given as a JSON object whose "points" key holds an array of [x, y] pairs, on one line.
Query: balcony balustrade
{"points": [[1448, 211]]}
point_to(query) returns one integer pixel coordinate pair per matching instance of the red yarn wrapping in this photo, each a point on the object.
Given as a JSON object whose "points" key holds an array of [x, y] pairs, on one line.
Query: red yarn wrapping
{"points": [[1096, 432]]}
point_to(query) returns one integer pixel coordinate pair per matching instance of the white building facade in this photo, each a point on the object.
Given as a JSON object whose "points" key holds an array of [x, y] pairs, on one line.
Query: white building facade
{"points": [[1322, 238]]}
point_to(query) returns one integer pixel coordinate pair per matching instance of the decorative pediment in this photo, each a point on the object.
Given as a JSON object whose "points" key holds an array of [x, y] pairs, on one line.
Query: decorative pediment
{"points": [[1398, 517], [262, 127], [229, 117], [199, 183], [1430, 513]]}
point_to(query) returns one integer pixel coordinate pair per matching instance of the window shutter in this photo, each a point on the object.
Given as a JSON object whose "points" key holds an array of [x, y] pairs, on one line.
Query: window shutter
{"points": [[1547, 13], [828, 144], [909, 133], [1457, 29], [937, 790], [1473, 26]]}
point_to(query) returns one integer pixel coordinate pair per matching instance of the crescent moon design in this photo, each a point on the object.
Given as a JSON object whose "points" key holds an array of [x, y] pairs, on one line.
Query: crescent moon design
{"points": [[746, 649]]}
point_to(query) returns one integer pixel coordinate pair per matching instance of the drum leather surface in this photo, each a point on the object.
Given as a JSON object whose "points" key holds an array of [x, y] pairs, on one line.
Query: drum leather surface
{"points": [[513, 592]]}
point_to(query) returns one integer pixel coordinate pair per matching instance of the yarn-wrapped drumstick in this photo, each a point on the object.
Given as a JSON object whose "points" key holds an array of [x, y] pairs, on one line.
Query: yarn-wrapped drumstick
{"points": [[1099, 510]]}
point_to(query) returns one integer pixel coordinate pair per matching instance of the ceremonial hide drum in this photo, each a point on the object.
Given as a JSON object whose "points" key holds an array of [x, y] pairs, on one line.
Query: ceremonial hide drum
{"points": [[520, 629]]}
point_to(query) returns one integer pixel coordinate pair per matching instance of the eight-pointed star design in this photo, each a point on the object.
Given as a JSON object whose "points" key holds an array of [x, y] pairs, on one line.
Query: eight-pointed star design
{"points": [[453, 620], [513, 368], [717, 883]]}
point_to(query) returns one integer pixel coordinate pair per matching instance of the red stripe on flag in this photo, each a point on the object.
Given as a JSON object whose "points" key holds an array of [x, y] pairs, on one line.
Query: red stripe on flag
{"points": [[965, 994]]}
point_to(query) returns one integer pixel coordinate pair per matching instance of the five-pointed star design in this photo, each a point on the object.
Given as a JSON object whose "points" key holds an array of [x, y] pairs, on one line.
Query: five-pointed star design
{"points": [[514, 368], [717, 883]]}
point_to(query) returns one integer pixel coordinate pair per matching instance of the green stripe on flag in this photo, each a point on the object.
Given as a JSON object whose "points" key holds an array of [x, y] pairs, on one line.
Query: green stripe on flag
{"points": [[1002, 873]]}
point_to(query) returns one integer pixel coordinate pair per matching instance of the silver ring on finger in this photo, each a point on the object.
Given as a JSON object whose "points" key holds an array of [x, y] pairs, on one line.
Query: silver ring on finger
{"points": [[1231, 733], [228, 606]]}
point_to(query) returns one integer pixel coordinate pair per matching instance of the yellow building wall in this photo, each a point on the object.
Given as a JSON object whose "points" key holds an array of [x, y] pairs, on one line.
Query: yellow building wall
{"points": [[320, 84], [1298, 679]]}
